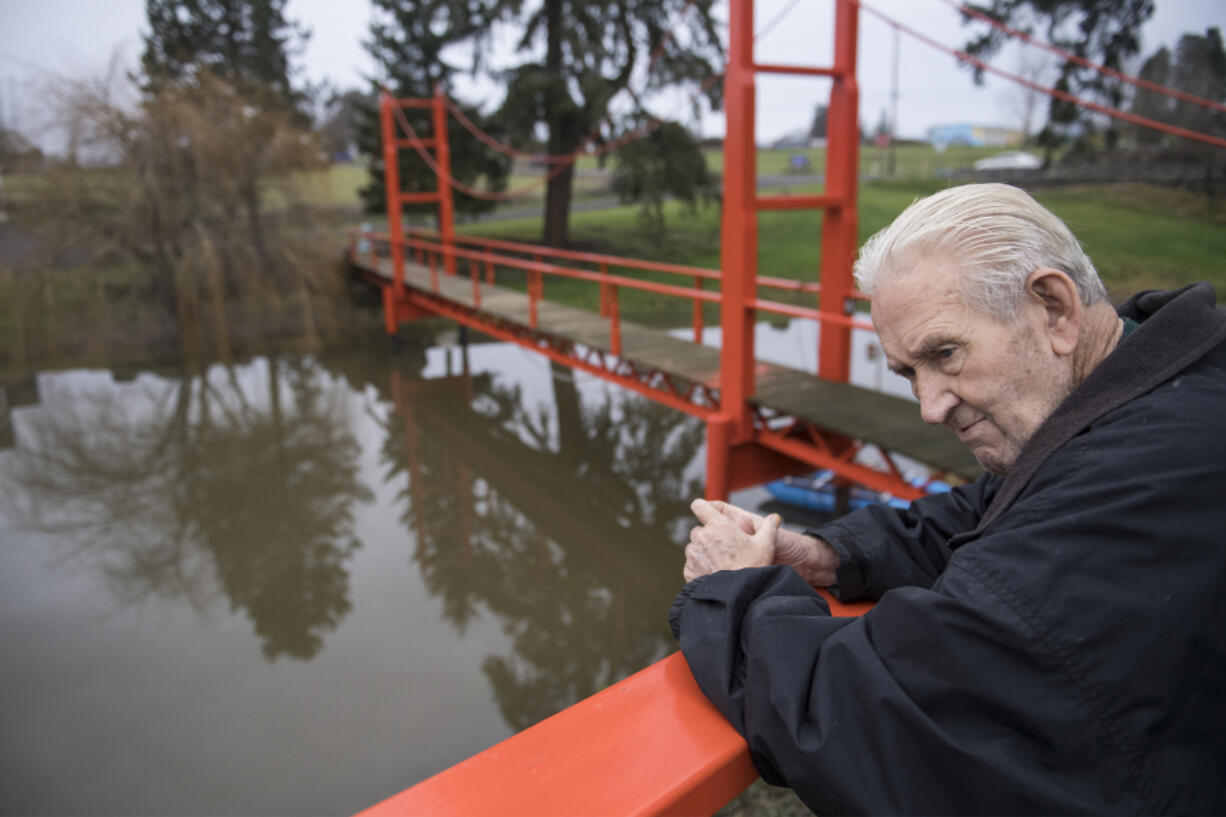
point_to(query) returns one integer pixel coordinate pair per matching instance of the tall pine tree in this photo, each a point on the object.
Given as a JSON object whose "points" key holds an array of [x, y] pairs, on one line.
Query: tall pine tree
{"points": [[247, 43], [581, 55]]}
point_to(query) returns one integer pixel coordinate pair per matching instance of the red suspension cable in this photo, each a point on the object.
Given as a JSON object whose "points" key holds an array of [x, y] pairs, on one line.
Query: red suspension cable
{"points": [[1115, 113], [1082, 61], [455, 183]]}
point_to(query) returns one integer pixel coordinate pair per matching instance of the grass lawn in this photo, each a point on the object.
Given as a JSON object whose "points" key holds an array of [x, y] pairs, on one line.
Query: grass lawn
{"points": [[910, 160], [340, 183], [1139, 237]]}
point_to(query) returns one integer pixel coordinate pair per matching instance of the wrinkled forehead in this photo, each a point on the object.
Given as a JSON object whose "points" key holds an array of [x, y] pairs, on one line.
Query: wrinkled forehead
{"points": [[919, 281]]}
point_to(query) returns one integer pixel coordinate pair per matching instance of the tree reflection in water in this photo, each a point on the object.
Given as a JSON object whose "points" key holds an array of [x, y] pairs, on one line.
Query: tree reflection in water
{"points": [[564, 529], [238, 483]]}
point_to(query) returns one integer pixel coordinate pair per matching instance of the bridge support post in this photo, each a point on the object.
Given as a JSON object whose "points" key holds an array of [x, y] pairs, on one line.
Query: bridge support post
{"points": [[839, 224], [442, 153], [391, 184], [739, 256], [719, 449], [398, 309], [390, 324]]}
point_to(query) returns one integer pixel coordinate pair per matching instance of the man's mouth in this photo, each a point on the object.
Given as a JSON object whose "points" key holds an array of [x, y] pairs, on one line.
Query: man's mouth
{"points": [[965, 430]]}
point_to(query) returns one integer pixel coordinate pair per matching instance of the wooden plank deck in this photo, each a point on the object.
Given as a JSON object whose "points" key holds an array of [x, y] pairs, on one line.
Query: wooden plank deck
{"points": [[890, 422]]}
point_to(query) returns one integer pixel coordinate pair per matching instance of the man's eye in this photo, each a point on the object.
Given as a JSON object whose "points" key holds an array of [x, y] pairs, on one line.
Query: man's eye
{"points": [[945, 354]]}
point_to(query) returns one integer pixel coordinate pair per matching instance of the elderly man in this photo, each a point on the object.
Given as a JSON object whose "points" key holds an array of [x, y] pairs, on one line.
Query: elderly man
{"points": [[1050, 638]]}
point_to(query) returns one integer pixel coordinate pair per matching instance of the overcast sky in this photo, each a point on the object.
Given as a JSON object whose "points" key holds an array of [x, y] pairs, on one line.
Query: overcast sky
{"points": [[77, 37]]}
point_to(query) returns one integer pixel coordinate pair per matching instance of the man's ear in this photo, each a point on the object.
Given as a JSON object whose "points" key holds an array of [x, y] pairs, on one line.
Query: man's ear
{"points": [[1056, 295]]}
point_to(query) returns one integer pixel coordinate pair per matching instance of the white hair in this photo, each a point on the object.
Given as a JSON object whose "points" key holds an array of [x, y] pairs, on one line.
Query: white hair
{"points": [[995, 233]]}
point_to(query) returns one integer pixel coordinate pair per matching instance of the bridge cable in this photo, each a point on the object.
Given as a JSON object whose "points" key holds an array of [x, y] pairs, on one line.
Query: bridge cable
{"points": [[1106, 110], [1082, 61]]}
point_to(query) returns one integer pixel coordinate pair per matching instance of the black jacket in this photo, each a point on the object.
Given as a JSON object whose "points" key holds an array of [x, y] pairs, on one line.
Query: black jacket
{"points": [[1049, 642]]}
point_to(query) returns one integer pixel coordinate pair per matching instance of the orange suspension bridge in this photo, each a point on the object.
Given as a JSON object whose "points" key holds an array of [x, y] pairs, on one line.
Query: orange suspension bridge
{"points": [[652, 744]]}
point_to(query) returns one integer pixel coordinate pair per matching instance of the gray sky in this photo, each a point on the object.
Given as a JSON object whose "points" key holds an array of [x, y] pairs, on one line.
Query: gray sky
{"points": [[77, 38]]}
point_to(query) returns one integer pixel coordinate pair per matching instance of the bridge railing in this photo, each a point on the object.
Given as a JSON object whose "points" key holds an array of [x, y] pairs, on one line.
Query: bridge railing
{"points": [[486, 256], [651, 744]]}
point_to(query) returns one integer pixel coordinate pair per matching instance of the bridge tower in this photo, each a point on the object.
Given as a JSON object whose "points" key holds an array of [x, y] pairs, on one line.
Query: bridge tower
{"points": [[395, 307], [734, 460]]}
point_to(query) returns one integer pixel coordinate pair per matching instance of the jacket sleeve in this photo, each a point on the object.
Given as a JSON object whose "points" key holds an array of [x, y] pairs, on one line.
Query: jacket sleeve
{"points": [[891, 712], [881, 548]]}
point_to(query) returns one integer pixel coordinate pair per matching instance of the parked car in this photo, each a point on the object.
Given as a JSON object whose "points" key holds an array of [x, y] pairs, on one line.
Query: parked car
{"points": [[1009, 160]]}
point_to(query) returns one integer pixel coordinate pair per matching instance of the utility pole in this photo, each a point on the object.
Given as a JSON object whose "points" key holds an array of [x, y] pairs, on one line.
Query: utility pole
{"points": [[893, 110]]}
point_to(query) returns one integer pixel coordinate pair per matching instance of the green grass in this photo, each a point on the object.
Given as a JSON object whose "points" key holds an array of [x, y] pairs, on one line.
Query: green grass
{"points": [[910, 161], [1142, 237], [338, 185], [1139, 237]]}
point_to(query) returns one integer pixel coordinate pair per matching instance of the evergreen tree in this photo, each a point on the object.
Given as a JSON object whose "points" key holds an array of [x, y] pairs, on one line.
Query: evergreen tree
{"points": [[817, 130], [1200, 70], [1197, 66], [1151, 104], [584, 54], [247, 43]]}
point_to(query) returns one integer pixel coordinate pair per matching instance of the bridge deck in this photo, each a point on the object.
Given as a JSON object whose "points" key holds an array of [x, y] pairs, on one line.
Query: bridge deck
{"points": [[890, 422]]}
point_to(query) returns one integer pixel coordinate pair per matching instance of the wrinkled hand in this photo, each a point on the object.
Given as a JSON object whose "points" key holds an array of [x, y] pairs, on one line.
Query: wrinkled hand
{"points": [[727, 541], [812, 558]]}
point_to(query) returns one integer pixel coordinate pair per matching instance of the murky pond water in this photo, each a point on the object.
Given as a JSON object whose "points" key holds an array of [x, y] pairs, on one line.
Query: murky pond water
{"points": [[299, 584]]}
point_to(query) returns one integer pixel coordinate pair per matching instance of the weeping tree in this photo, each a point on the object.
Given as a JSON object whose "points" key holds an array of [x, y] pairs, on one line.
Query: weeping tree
{"points": [[246, 45], [1103, 31], [198, 190], [573, 60]]}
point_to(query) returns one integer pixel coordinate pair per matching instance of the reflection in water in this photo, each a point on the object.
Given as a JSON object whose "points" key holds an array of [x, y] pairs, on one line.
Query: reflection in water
{"points": [[555, 521], [461, 540], [241, 482]]}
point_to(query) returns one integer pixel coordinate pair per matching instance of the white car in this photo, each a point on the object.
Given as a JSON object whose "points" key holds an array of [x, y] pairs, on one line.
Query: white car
{"points": [[1009, 160]]}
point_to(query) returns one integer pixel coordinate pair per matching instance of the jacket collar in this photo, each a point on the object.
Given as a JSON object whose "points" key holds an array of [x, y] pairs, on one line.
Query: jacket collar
{"points": [[1177, 328]]}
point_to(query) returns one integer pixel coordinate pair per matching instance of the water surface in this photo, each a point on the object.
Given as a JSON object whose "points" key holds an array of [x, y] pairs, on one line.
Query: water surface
{"points": [[297, 585]]}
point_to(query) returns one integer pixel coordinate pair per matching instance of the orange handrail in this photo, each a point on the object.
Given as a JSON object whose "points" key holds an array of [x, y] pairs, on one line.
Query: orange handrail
{"points": [[769, 281], [649, 745], [609, 281]]}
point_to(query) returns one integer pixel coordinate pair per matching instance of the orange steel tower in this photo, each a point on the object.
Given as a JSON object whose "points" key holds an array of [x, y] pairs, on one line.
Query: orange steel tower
{"points": [[393, 296], [733, 460]]}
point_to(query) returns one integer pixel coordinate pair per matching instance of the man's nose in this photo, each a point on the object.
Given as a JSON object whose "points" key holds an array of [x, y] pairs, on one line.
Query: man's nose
{"points": [[936, 399]]}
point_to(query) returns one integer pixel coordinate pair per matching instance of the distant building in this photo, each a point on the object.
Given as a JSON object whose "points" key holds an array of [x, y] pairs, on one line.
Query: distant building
{"points": [[980, 136]]}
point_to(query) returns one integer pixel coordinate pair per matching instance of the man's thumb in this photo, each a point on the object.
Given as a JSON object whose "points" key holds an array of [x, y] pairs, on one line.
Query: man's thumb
{"points": [[769, 527]]}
